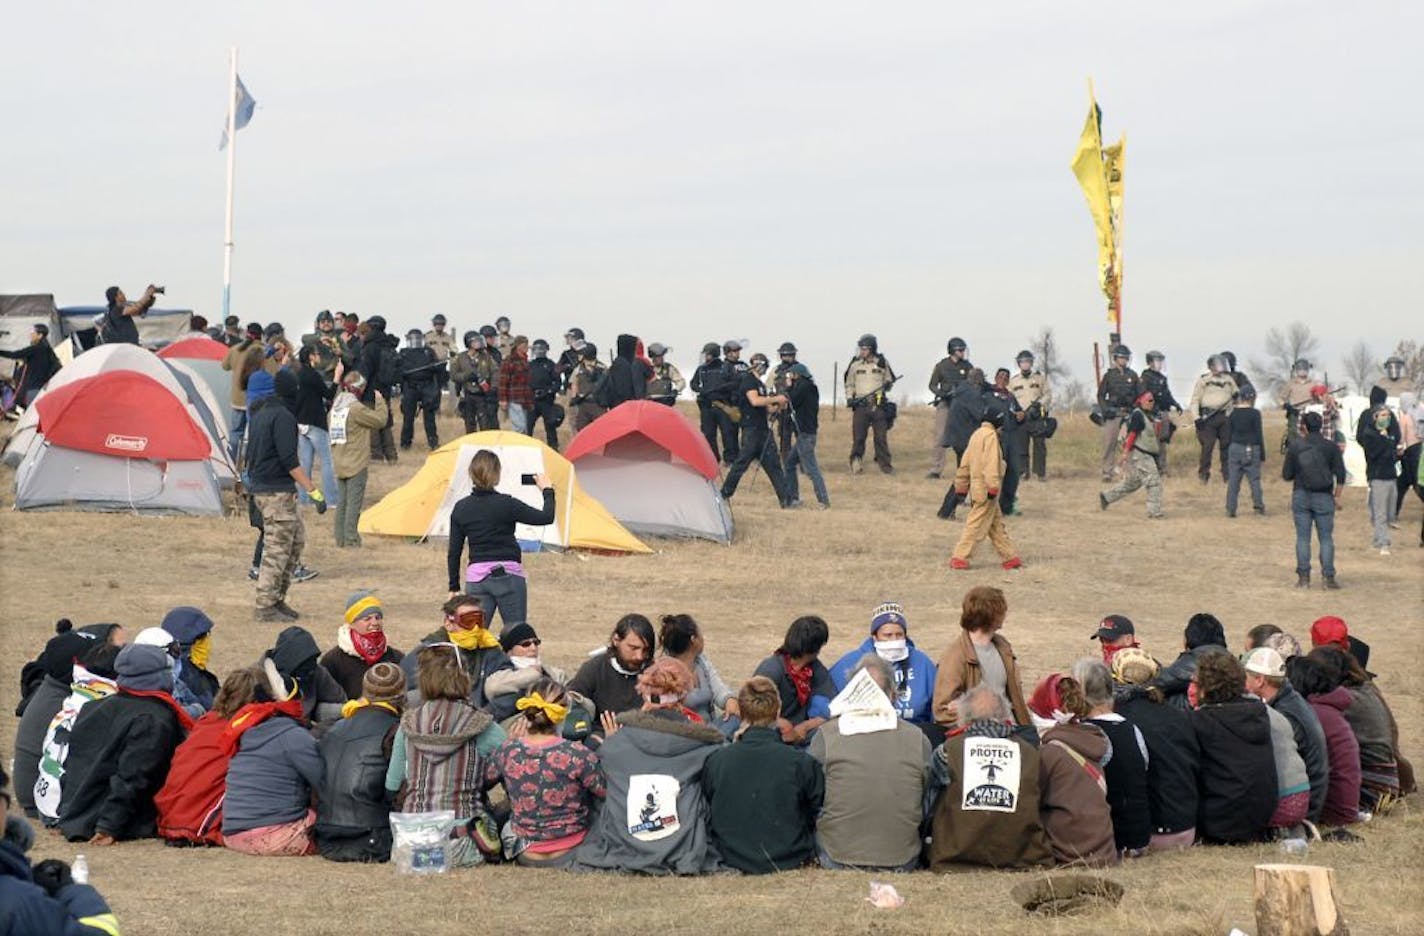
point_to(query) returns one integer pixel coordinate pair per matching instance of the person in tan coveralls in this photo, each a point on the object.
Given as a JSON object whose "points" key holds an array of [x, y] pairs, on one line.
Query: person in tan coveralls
{"points": [[980, 475]]}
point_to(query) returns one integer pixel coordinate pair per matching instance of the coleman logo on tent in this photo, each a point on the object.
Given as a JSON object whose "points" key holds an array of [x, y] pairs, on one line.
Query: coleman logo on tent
{"points": [[125, 443]]}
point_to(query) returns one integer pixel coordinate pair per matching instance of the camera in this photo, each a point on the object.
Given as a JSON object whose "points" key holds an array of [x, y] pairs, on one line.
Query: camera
{"points": [[527, 479], [158, 290]]}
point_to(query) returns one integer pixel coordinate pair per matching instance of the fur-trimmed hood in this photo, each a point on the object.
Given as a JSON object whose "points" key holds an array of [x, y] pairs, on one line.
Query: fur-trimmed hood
{"points": [[665, 734]]}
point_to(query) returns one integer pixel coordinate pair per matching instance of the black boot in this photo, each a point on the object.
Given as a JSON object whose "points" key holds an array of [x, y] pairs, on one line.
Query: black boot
{"points": [[1302, 580]]}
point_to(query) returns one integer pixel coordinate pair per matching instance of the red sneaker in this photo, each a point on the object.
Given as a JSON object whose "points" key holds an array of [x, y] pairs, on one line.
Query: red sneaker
{"points": [[1014, 563], [958, 563]]}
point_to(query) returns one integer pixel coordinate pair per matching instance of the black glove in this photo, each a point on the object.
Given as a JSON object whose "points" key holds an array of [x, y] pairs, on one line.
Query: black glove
{"points": [[52, 875]]}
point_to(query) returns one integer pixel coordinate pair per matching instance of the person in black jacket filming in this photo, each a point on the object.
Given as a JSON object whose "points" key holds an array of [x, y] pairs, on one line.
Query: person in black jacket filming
{"points": [[485, 520]]}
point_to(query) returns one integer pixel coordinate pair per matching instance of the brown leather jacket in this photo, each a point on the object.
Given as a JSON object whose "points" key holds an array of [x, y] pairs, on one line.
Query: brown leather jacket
{"points": [[958, 672]]}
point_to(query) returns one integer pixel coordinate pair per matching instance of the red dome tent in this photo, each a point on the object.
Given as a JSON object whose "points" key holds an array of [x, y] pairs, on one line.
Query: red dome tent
{"points": [[118, 440], [654, 472]]}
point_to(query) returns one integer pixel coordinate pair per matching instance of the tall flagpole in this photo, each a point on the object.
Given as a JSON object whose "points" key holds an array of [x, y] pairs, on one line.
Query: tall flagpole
{"points": [[231, 166]]}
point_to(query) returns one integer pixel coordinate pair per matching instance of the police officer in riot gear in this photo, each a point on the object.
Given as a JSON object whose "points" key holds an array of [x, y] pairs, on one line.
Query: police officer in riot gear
{"points": [[1154, 380], [709, 383], [544, 382], [1295, 397], [569, 358], [1117, 396], [1030, 436], [780, 383], [1212, 400], [868, 377], [420, 389], [948, 374], [666, 382], [1394, 382], [755, 403]]}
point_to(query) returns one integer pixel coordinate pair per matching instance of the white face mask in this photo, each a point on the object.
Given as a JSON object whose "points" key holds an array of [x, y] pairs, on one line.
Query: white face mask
{"points": [[523, 662], [893, 651]]}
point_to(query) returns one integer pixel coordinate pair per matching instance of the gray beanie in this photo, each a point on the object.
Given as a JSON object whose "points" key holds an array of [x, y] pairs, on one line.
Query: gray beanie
{"points": [[145, 668]]}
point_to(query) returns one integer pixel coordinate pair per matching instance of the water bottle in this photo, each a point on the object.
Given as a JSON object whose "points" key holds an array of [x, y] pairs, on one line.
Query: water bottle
{"points": [[1297, 847], [79, 870]]}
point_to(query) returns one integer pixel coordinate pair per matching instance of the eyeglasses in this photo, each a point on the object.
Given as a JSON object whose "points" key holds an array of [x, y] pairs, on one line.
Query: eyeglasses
{"points": [[531, 642]]}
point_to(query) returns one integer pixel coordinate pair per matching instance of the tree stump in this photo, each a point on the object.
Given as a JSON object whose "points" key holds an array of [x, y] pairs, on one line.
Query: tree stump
{"points": [[1297, 900]]}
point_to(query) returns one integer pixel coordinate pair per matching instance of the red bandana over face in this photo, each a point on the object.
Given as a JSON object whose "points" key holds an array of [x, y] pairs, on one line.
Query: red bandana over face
{"points": [[369, 647]]}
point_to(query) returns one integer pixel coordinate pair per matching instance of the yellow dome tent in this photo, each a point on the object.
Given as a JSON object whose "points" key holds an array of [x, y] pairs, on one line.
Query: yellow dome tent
{"points": [[421, 507]]}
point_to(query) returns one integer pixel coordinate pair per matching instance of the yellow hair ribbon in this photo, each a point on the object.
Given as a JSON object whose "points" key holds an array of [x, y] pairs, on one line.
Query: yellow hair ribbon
{"points": [[534, 700], [353, 613]]}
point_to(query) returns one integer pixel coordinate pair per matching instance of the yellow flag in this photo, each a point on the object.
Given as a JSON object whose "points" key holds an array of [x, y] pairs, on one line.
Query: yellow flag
{"points": [[1099, 173]]}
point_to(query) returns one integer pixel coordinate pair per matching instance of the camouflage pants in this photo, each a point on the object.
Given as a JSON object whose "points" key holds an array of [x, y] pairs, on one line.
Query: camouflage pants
{"points": [[284, 538], [1141, 470]]}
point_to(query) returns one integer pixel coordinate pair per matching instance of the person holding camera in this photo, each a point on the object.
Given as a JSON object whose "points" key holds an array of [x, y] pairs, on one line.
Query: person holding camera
{"points": [[485, 520], [117, 325]]}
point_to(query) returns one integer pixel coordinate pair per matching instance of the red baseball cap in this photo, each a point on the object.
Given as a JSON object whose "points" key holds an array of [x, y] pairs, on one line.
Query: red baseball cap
{"points": [[1330, 630]]}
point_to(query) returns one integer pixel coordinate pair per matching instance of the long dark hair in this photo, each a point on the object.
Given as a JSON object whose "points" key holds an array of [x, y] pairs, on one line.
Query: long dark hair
{"points": [[637, 624]]}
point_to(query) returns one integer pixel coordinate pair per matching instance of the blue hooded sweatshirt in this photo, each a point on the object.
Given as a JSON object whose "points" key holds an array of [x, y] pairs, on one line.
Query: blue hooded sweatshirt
{"points": [[914, 680]]}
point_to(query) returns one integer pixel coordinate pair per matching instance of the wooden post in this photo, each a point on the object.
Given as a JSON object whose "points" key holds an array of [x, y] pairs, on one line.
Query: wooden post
{"points": [[1297, 900]]}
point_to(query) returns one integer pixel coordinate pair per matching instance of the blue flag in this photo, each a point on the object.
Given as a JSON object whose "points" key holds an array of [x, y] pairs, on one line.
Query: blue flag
{"points": [[246, 104]]}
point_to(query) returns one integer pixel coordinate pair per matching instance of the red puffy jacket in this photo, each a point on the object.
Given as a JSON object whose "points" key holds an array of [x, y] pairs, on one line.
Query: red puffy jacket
{"points": [[190, 803]]}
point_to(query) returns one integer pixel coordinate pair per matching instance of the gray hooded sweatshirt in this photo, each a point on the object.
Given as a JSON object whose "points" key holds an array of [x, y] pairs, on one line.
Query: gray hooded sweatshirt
{"points": [[654, 820]]}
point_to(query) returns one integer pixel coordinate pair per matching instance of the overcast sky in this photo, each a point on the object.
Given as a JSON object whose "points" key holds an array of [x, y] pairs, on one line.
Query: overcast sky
{"points": [[770, 171]]}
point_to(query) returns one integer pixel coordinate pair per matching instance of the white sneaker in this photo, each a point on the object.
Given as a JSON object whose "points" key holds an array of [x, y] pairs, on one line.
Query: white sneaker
{"points": [[1384, 550]]}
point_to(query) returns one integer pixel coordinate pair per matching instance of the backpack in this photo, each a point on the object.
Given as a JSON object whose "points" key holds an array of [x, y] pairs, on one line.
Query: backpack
{"points": [[388, 371], [1313, 469]]}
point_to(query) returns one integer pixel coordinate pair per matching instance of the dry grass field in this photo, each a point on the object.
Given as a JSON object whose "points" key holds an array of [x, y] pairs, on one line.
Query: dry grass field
{"points": [[879, 541]]}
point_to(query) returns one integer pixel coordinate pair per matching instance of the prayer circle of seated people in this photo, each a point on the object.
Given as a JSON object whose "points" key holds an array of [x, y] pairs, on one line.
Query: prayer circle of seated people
{"points": [[645, 761]]}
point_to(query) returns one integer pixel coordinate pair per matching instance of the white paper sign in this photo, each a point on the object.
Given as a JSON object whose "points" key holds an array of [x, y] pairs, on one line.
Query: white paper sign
{"points": [[652, 806], [991, 775]]}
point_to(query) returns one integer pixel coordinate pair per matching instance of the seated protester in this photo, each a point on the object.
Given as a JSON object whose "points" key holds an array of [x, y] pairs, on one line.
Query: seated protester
{"points": [[987, 810], [50, 677], [762, 796], [681, 639], [914, 670], [1173, 758], [553, 784], [1258, 635], [94, 675], [274, 773], [1329, 630], [1126, 770], [801, 679], [45, 898], [1072, 790], [1203, 634], [1284, 644], [1372, 722], [1292, 781], [478, 651], [1238, 772], [877, 776], [609, 677], [521, 644], [1273, 689], [158, 637], [191, 800], [120, 750], [979, 655], [296, 657], [1342, 750], [1115, 633], [360, 643], [440, 750], [352, 809], [32, 673], [654, 819], [194, 686]]}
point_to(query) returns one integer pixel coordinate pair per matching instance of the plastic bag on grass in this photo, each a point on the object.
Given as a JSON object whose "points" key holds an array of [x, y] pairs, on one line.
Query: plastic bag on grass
{"points": [[421, 843]]}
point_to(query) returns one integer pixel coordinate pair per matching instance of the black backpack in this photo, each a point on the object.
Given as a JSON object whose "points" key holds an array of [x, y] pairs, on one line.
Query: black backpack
{"points": [[1312, 469]]}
